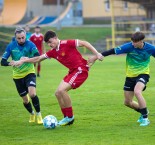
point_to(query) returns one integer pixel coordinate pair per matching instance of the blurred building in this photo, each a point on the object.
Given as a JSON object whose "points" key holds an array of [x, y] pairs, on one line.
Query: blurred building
{"points": [[100, 10], [69, 12]]}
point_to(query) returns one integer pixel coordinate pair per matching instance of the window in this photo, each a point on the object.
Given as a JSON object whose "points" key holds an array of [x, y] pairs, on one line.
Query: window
{"points": [[52, 2], [125, 5], [107, 5]]}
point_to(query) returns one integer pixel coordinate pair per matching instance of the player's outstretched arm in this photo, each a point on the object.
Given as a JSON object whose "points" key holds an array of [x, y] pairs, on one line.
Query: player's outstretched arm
{"points": [[30, 60], [91, 48], [108, 52], [91, 60]]}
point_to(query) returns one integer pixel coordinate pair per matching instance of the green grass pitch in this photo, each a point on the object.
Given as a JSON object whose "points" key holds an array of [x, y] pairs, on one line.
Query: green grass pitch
{"points": [[100, 116]]}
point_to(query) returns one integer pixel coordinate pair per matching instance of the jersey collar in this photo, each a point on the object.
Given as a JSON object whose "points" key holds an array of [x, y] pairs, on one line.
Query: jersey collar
{"points": [[58, 47]]}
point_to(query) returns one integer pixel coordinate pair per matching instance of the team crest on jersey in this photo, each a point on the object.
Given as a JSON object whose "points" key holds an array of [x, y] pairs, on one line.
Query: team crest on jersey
{"points": [[63, 54], [35, 39]]}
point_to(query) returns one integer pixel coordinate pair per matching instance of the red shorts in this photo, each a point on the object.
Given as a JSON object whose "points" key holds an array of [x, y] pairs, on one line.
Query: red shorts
{"points": [[76, 77]]}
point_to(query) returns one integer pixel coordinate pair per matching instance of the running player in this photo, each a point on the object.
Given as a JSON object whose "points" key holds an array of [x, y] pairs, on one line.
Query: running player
{"points": [[137, 72], [65, 51], [28, 33], [37, 38], [24, 76]]}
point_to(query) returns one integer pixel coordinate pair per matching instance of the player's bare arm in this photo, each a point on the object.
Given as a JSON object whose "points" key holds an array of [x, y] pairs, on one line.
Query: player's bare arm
{"points": [[30, 60], [91, 60], [91, 48]]}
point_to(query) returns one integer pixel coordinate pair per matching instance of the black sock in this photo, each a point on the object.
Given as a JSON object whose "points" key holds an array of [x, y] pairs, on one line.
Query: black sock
{"points": [[28, 107], [138, 110], [144, 112], [36, 104]]}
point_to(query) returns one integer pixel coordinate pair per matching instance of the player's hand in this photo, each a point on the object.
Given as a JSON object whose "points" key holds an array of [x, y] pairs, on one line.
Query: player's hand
{"points": [[100, 56], [91, 60], [17, 63], [23, 58], [12, 63]]}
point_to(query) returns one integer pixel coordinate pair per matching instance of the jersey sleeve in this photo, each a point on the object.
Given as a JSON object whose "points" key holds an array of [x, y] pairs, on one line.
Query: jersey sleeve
{"points": [[33, 48], [7, 53], [125, 48], [72, 43]]}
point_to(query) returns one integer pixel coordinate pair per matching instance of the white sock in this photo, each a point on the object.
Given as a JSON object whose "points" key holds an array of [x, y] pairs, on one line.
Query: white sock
{"points": [[38, 113], [32, 113]]}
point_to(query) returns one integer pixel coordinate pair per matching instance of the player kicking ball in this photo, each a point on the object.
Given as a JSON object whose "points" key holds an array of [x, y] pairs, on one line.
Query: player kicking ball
{"points": [[65, 51]]}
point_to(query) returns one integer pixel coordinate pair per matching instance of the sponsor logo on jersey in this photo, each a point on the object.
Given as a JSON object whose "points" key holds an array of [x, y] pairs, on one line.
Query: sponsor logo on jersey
{"points": [[15, 51]]}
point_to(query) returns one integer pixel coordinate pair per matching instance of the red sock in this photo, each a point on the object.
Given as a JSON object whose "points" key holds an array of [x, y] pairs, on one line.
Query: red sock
{"points": [[69, 112], [63, 111], [38, 68]]}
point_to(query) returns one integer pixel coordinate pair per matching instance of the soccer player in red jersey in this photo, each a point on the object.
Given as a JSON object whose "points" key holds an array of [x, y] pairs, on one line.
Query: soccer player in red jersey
{"points": [[65, 51], [37, 38]]}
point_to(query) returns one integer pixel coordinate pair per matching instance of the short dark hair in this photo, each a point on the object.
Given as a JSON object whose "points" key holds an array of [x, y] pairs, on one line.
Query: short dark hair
{"points": [[48, 35], [37, 26], [19, 30], [137, 36]]}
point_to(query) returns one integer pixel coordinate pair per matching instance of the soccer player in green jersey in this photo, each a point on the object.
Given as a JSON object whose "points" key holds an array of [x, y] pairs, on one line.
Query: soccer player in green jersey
{"points": [[137, 72], [24, 76]]}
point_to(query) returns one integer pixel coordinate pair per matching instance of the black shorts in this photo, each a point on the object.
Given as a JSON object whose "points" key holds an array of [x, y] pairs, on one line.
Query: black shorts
{"points": [[131, 82], [23, 84]]}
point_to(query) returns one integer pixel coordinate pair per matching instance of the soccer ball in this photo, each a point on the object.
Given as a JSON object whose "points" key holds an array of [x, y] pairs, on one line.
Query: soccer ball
{"points": [[50, 122]]}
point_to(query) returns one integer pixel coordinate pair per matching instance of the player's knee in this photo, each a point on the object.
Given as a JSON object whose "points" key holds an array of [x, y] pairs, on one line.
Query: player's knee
{"points": [[59, 93], [25, 100], [137, 93], [32, 95], [127, 103]]}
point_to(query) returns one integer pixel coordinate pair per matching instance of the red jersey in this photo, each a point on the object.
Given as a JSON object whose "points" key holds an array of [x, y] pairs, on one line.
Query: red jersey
{"points": [[67, 54], [37, 39]]}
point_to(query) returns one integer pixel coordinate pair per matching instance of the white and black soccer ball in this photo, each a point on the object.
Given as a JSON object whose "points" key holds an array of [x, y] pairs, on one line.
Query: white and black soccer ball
{"points": [[50, 122]]}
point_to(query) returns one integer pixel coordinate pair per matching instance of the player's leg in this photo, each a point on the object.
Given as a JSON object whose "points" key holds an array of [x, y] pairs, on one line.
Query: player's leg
{"points": [[22, 90], [28, 106], [129, 94], [72, 81], [65, 103], [129, 102], [142, 104], [31, 85], [138, 93]]}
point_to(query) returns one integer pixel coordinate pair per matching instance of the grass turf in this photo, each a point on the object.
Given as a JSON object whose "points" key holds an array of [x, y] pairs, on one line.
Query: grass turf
{"points": [[100, 116]]}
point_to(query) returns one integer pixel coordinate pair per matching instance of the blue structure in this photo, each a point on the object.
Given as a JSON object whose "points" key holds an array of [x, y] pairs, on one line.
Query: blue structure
{"points": [[74, 16]]}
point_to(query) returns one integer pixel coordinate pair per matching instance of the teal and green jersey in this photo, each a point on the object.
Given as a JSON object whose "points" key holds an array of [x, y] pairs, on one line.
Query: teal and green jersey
{"points": [[137, 60], [17, 51], [28, 35]]}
